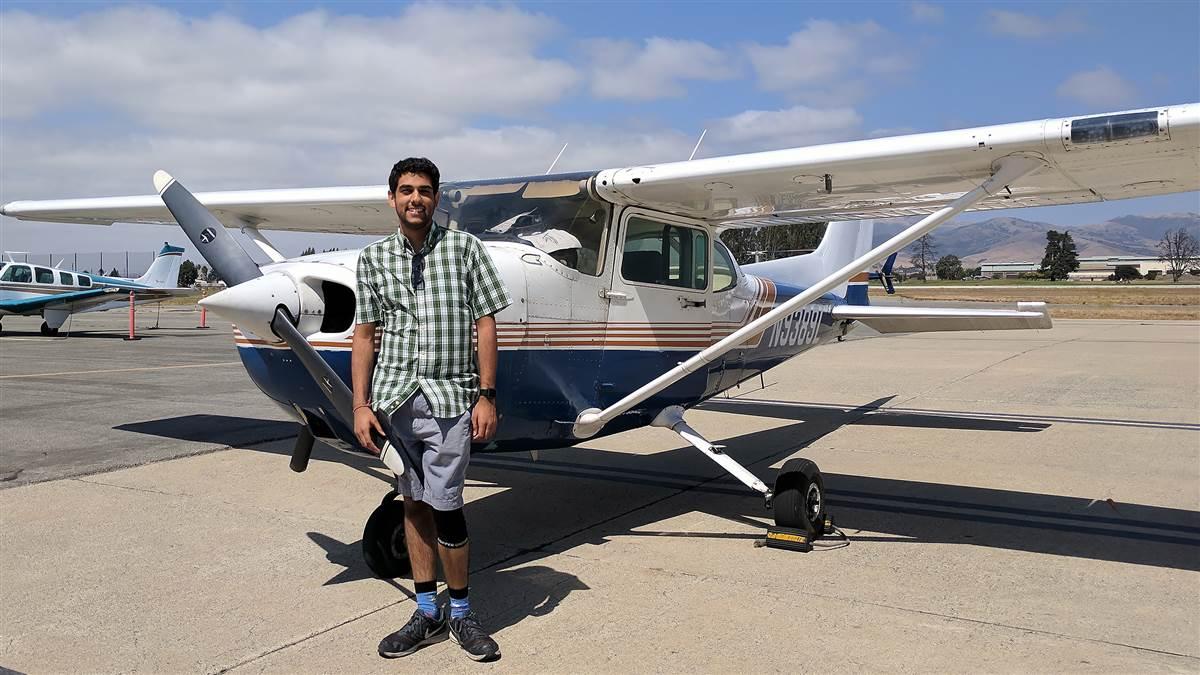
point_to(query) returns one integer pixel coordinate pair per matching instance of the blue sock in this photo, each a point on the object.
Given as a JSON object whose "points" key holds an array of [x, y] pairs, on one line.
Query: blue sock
{"points": [[427, 603], [427, 598], [459, 606]]}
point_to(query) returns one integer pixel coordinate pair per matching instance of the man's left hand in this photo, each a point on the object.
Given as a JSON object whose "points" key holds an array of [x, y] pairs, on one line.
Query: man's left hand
{"points": [[483, 420]]}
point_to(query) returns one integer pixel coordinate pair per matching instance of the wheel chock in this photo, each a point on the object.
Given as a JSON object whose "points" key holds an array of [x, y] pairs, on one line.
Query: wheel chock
{"points": [[789, 539], [795, 539]]}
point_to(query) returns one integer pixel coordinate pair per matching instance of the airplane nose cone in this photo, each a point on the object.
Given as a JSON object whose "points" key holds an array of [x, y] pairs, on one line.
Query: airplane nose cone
{"points": [[251, 304]]}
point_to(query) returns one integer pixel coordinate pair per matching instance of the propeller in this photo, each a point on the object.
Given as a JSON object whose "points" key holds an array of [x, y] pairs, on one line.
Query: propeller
{"points": [[232, 262], [885, 276]]}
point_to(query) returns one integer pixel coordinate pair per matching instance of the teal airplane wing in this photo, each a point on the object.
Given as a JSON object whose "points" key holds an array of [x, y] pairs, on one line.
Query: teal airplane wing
{"points": [[29, 304]]}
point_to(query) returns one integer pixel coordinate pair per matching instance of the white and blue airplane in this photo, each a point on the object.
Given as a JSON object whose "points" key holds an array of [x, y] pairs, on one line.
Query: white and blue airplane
{"points": [[55, 294], [627, 308]]}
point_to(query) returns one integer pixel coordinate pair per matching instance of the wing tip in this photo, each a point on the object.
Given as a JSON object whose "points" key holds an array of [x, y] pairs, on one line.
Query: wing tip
{"points": [[162, 181]]}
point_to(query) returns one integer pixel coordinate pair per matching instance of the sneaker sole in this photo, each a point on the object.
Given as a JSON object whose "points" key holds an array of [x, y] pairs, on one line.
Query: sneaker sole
{"points": [[474, 657], [433, 639]]}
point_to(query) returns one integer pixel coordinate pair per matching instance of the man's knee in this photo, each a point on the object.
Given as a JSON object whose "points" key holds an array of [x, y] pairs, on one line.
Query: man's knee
{"points": [[451, 528]]}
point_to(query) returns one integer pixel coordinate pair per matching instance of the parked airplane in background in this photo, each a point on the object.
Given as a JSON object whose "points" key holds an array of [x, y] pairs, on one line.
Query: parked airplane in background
{"points": [[627, 309], [55, 294]]}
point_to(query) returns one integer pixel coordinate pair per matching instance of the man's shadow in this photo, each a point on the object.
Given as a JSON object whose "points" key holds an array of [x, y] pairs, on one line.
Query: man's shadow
{"points": [[519, 591]]}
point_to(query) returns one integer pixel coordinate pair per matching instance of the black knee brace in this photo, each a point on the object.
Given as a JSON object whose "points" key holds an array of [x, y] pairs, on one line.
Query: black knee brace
{"points": [[451, 528]]}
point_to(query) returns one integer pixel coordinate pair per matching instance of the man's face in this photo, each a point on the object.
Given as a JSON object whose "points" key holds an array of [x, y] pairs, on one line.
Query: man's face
{"points": [[414, 201]]}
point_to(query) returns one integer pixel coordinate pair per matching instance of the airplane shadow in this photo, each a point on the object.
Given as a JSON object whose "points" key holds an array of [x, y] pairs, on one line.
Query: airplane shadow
{"points": [[868, 508]]}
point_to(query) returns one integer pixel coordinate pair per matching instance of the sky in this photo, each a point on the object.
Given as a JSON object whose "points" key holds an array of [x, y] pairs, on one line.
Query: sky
{"points": [[94, 97]]}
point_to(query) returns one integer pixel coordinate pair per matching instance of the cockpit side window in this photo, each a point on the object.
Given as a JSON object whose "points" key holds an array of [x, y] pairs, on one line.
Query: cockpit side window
{"points": [[724, 269], [18, 273]]}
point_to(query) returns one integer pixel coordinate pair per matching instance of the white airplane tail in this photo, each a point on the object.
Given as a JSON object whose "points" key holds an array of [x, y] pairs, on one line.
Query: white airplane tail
{"points": [[164, 271], [843, 242]]}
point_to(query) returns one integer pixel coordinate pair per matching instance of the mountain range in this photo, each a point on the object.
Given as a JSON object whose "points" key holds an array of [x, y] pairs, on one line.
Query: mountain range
{"points": [[1007, 239]]}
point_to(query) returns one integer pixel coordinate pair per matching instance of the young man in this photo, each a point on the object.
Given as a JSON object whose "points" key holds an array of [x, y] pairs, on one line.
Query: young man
{"points": [[423, 287]]}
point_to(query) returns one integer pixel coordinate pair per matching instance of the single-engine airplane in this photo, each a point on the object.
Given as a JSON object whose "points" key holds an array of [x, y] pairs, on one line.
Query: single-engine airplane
{"points": [[627, 308], [54, 294]]}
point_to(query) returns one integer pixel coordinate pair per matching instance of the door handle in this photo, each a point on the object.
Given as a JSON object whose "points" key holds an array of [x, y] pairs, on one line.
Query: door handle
{"points": [[688, 302], [614, 295]]}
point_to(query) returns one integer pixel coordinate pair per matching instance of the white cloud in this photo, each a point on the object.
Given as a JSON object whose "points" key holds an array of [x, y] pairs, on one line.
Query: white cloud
{"points": [[1099, 87], [311, 77], [623, 70], [1016, 24], [924, 12], [792, 127], [837, 63]]}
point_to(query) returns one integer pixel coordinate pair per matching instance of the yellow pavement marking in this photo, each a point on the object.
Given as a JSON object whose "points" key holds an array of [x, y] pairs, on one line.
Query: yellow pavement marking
{"points": [[120, 370]]}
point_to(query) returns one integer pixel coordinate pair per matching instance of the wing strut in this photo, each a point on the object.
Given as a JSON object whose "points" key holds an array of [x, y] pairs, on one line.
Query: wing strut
{"points": [[1005, 172]]}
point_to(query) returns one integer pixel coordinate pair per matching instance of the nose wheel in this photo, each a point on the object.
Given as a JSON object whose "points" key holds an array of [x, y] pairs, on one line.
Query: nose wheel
{"points": [[383, 541]]}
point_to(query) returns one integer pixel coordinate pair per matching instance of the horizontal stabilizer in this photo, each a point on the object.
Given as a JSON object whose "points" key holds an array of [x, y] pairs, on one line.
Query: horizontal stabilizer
{"points": [[930, 319]]}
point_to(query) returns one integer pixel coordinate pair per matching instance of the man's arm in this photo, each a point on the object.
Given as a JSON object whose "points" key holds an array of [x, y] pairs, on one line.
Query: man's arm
{"points": [[483, 417], [362, 363]]}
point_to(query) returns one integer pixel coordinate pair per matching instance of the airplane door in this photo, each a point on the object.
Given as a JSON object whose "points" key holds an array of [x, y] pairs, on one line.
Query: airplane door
{"points": [[659, 304]]}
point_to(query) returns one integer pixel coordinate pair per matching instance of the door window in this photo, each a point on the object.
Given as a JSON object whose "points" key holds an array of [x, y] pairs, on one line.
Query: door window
{"points": [[64, 278], [85, 281], [44, 276], [665, 254]]}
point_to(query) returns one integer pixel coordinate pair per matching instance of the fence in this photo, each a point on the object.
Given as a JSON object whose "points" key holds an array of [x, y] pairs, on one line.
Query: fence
{"points": [[125, 263]]}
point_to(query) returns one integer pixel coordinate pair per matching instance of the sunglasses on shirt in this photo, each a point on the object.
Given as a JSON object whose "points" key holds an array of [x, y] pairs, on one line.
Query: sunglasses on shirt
{"points": [[418, 269]]}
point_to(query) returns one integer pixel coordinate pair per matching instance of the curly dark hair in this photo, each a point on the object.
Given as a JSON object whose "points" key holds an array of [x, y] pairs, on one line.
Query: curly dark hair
{"points": [[417, 165]]}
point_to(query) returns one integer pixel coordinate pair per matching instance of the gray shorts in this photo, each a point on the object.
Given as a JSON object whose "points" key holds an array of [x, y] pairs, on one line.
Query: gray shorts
{"points": [[444, 445]]}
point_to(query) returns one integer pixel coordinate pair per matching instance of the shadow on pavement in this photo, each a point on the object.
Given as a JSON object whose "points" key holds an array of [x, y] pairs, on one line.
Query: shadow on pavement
{"points": [[605, 504]]}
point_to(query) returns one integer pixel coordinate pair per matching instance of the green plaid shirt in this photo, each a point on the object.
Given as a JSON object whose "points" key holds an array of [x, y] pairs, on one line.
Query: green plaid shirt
{"points": [[426, 332]]}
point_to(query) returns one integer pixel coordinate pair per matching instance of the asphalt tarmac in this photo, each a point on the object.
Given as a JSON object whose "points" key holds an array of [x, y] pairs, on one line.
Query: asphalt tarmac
{"points": [[1015, 501]]}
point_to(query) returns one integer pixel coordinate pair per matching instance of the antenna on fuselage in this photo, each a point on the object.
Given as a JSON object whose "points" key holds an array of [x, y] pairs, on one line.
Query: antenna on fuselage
{"points": [[698, 142], [560, 152]]}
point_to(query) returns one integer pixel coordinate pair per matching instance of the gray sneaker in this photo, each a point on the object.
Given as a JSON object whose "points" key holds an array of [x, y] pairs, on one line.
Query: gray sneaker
{"points": [[418, 632], [468, 634]]}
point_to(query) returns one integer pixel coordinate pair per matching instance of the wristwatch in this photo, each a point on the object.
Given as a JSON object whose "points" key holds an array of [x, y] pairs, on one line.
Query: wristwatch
{"points": [[489, 394]]}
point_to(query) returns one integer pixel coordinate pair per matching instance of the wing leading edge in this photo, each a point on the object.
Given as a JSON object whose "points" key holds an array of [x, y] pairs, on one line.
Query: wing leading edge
{"points": [[1084, 159]]}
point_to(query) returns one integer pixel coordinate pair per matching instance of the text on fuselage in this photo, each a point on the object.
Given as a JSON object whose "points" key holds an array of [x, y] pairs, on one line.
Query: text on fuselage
{"points": [[800, 328]]}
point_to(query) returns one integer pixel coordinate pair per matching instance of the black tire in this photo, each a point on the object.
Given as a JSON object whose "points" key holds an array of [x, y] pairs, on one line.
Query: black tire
{"points": [[799, 500], [48, 331], [383, 541]]}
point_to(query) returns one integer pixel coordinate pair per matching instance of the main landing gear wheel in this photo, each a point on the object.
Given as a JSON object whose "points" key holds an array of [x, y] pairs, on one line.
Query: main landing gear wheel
{"points": [[799, 497], [48, 331], [383, 543]]}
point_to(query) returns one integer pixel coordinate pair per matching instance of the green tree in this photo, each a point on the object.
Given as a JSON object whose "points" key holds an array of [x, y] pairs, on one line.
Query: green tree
{"points": [[187, 273], [768, 243], [949, 267], [922, 253], [1060, 258], [308, 251], [114, 272], [971, 272]]}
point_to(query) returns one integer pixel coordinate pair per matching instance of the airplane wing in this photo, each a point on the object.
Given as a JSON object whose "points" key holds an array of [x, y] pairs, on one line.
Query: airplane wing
{"points": [[1082, 159], [931, 319], [31, 304]]}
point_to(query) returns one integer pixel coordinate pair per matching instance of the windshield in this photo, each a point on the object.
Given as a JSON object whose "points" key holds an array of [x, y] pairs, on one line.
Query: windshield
{"points": [[554, 214]]}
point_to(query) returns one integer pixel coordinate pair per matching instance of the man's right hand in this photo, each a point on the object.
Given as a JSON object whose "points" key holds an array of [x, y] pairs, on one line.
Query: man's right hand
{"points": [[365, 423]]}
